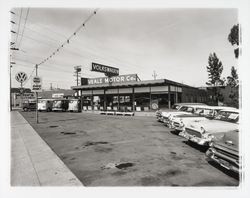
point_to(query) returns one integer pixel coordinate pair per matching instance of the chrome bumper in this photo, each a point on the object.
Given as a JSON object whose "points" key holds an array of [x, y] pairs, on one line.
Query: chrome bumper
{"points": [[195, 139], [223, 160]]}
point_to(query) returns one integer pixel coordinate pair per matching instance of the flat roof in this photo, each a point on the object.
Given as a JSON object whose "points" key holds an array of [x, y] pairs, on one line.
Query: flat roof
{"points": [[132, 84]]}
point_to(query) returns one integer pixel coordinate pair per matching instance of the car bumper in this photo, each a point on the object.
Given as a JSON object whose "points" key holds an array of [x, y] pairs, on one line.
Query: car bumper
{"points": [[223, 160], [159, 119], [195, 139]]}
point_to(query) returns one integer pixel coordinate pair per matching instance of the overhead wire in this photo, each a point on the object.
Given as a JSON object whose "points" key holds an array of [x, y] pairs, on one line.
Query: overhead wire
{"points": [[66, 41], [18, 29], [69, 38], [75, 53], [20, 42]]}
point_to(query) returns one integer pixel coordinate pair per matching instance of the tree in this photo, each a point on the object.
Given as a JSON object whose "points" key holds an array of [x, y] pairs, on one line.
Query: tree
{"points": [[233, 38], [232, 80], [214, 70]]}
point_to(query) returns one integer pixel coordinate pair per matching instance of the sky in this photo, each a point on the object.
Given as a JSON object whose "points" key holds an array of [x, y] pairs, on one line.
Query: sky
{"points": [[175, 43]]}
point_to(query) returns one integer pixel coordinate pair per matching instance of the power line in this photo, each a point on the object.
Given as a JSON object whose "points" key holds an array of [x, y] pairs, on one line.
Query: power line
{"points": [[67, 42], [44, 27], [75, 53], [27, 13], [69, 38], [18, 26]]}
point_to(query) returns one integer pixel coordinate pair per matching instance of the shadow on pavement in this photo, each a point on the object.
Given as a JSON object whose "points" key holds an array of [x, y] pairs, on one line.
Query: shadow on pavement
{"points": [[225, 171]]}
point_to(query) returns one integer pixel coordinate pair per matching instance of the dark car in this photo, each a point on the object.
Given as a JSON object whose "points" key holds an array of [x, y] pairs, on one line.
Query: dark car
{"points": [[60, 105], [225, 151], [29, 106]]}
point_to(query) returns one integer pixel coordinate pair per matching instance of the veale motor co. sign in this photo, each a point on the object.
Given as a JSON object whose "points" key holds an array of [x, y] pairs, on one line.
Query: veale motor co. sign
{"points": [[114, 79], [109, 71]]}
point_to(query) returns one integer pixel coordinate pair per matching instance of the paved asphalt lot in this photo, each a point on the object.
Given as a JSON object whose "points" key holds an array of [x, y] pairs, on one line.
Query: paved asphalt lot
{"points": [[126, 151]]}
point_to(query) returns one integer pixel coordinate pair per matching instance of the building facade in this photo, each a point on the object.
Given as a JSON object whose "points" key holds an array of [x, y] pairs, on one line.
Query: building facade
{"points": [[126, 93]]}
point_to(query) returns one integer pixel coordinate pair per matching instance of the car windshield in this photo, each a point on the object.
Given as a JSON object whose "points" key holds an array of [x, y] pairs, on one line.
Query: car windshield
{"points": [[186, 108], [204, 112], [42, 101], [176, 106], [227, 116], [57, 103]]}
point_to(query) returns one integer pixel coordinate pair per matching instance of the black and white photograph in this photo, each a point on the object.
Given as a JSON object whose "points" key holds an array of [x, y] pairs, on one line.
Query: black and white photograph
{"points": [[126, 96]]}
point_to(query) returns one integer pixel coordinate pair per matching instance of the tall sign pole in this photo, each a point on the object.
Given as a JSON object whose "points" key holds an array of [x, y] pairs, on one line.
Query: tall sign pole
{"points": [[10, 90], [37, 121], [21, 94], [21, 77], [77, 72], [36, 87]]}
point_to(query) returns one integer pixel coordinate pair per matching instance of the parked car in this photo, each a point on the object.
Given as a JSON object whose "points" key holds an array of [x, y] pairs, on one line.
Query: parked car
{"points": [[45, 104], [74, 105], [204, 131], [202, 113], [29, 105], [183, 110], [225, 151], [175, 108], [60, 105], [178, 105]]}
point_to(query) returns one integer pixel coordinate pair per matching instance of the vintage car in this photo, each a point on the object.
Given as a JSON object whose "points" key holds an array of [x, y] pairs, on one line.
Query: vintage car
{"points": [[204, 131], [60, 105], [202, 113], [183, 110], [45, 104], [74, 105], [159, 113], [29, 105], [178, 105], [225, 151]]}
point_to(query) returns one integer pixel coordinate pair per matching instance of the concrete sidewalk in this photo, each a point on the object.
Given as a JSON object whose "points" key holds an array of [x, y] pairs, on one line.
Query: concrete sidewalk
{"points": [[33, 163]]}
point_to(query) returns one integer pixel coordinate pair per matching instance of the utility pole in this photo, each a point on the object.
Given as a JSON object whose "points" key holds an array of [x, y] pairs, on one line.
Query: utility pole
{"points": [[77, 74], [11, 44], [10, 90], [37, 121], [154, 75]]}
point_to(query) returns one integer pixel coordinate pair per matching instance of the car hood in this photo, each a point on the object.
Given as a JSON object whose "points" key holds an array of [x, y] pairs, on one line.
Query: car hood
{"points": [[213, 126], [175, 113], [229, 141], [187, 119]]}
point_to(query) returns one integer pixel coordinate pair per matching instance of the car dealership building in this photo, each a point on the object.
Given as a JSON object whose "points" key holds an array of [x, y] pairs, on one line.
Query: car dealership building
{"points": [[128, 93]]}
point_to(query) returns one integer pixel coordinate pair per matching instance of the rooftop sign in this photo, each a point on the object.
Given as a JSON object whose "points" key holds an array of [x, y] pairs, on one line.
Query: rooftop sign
{"points": [[109, 71], [114, 79]]}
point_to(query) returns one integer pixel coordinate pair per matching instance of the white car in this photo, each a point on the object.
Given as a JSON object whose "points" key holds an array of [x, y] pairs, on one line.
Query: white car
{"points": [[203, 132], [45, 104], [175, 108], [184, 110], [202, 113]]}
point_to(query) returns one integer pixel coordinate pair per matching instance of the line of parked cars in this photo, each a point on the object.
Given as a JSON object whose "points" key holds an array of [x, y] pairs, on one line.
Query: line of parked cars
{"points": [[72, 105], [214, 127]]}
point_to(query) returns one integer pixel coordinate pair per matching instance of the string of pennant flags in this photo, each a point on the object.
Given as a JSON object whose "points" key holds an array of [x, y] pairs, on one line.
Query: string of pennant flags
{"points": [[67, 41]]}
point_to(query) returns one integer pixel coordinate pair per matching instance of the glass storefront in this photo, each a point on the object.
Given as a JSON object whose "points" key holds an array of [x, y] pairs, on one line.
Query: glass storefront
{"points": [[142, 101], [160, 100], [119, 102], [130, 99]]}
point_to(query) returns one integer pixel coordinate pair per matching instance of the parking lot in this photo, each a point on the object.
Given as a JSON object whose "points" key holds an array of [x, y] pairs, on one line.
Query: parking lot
{"points": [[126, 151]]}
